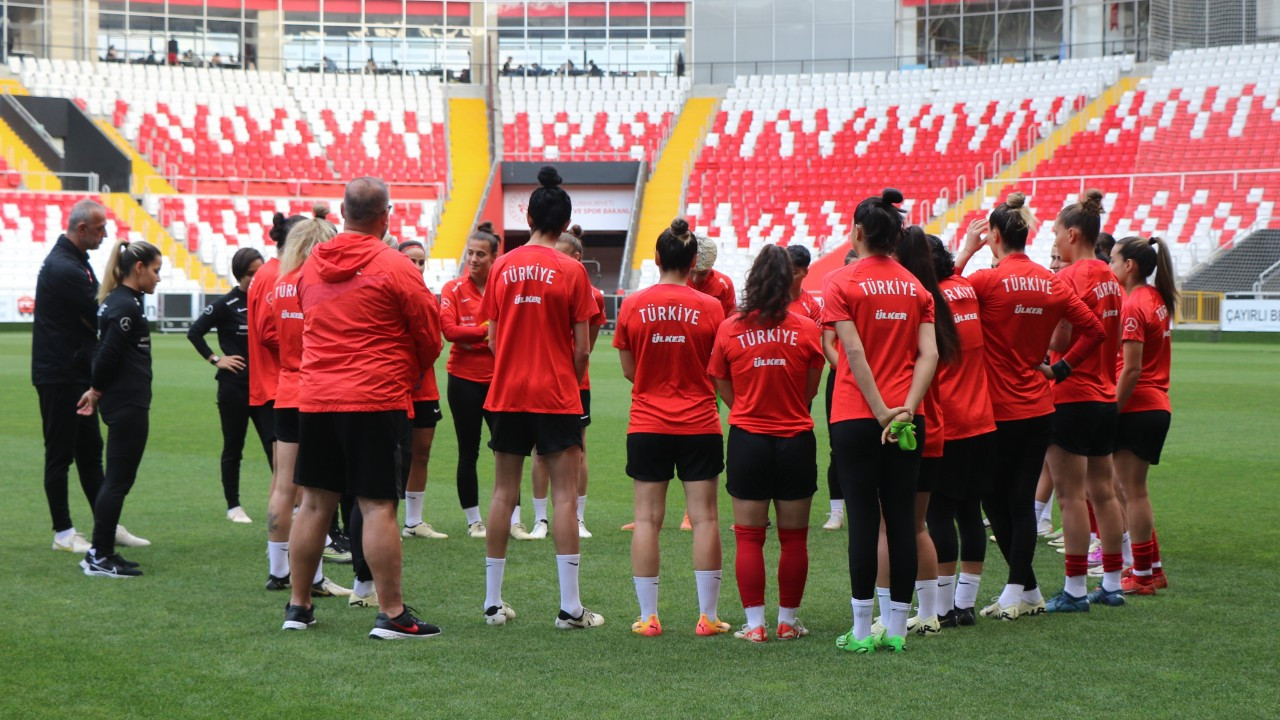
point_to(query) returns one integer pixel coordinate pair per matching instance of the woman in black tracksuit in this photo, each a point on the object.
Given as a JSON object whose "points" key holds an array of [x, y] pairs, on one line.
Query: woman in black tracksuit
{"points": [[121, 389], [229, 316]]}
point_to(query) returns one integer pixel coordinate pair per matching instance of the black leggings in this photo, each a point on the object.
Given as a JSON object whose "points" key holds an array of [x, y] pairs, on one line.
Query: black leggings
{"points": [[944, 514], [466, 405], [833, 479], [1010, 505], [126, 440], [235, 414], [68, 437], [878, 479], [355, 530]]}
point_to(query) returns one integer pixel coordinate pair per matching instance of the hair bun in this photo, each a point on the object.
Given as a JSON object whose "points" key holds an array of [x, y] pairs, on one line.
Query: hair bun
{"points": [[576, 230], [1092, 200], [277, 220], [679, 227], [320, 210], [1015, 200], [548, 177], [485, 227], [891, 195]]}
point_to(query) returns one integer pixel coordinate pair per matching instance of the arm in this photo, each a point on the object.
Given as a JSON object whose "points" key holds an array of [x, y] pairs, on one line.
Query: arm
{"points": [[829, 348], [973, 241], [628, 365], [1088, 334], [453, 332], [852, 344], [109, 357], [926, 365], [593, 333], [581, 348], [1128, 378], [724, 386], [423, 317], [1061, 339], [812, 383], [264, 324], [201, 327]]}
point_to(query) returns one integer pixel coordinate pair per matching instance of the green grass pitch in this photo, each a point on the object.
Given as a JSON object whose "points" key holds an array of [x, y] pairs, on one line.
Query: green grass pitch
{"points": [[199, 637]]}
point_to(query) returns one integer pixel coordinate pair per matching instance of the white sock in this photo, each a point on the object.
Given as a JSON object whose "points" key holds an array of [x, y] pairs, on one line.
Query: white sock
{"points": [[1126, 548], [1075, 586], [1032, 596], [278, 558], [539, 510], [1047, 513], [413, 508], [363, 588], [1111, 580], [862, 618], [897, 624], [570, 601], [1093, 538], [927, 591], [787, 615], [945, 599], [582, 507], [64, 537], [1011, 595], [473, 514], [647, 594], [1040, 510], [755, 616], [708, 591], [515, 518], [1157, 564], [967, 590], [837, 507], [319, 572], [882, 595], [493, 569]]}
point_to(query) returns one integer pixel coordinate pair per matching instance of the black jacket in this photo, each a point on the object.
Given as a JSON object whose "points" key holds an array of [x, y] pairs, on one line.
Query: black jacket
{"points": [[122, 362], [66, 326], [228, 315]]}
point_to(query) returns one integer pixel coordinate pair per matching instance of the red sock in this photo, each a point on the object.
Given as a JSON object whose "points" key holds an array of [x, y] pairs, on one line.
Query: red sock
{"points": [[793, 566], [1142, 557], [1077, 565], [1093, 521], [1155, 553], [1112, 563], [749, 564]]}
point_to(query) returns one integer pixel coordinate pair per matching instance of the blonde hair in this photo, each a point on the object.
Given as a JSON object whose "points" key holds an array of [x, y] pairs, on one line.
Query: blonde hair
{"points": [[302, 240], [120, 263]]}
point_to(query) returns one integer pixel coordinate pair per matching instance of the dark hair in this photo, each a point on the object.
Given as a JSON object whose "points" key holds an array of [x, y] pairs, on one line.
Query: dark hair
{"points": [[364, 199], [944, 263], [768, 289], [410, 244], [484, 231], [320, 210], [1102, 248], [241, 261], [120, 263], [1085, 216], [549, 206], [800, 256], [1153, 256], [576, 230], [677, 247], [280, 227], [850, 256], [1014, 221], [915, 253], [881, 221]]}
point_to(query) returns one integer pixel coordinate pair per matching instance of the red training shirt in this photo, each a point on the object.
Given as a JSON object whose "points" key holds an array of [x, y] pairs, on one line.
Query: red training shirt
{"points": [[670, 330], [719, 286], [461, 320], [425, 388], [1145, 319], [887, 305], [534, 296], [769, 368], [1020, 304], [286, 314], [596, 321], [264, 363], [1094, 379], [807, 306], [935, 429], [962, 385]]}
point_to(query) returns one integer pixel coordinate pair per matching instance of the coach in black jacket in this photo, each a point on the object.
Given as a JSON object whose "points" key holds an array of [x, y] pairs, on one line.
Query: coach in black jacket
{"points": [[62, 343]]}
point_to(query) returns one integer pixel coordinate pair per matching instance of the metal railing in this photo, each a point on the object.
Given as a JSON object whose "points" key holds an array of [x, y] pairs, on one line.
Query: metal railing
{"points": [[1196, 306], [29, 119], [637, 207]]}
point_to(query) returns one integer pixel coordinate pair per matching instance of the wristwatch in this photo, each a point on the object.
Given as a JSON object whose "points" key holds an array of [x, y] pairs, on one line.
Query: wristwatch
{"points": [[214, 360]]}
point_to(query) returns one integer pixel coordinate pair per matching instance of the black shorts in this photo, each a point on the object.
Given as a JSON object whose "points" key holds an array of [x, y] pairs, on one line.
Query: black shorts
{"points": [[930, 469], [585, 396], [1084, 428], [265, 416], [1143, 433], [426, 413], [965, 472], [287, 425], [350, 452], [767, 467], [658, 457], [518, 433]]}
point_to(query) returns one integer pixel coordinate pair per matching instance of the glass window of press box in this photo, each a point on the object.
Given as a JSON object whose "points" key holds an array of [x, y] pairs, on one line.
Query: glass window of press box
{"points": [[590, 38]]}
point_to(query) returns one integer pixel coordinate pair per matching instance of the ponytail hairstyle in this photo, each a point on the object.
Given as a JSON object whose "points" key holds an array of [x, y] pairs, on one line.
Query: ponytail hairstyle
{"points": [[915, 253], [124, 257], [572, 242], [1152, 256], [944, 263], [880, 220], [677, 247], [768, 289], [1085, 216], [320, 210], [241, 261], [1102, 248], [549, 206], [484, 231], [280, 227], [302, 239], [1014, 220]]}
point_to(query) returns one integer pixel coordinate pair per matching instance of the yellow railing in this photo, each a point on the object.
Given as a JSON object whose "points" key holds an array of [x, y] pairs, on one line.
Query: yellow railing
{"points": [[1197, 306]]}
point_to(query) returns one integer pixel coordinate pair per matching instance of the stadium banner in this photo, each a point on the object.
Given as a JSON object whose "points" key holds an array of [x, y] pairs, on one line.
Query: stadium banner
{"points": [[20, 307], [596, 209], [1251, 312]]}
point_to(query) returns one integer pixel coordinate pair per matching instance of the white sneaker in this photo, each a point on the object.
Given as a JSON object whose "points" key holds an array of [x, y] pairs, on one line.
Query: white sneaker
{"points": [[78, 543], [499, 615], [128, 539], [422, 530], [1044, 527], [587, 619], [476, 530], [329, 588], [519, 533], [539, 530], [364, 601], [237, 515], [583, 532], [1002, 612], [835, 521], [931, 626]]}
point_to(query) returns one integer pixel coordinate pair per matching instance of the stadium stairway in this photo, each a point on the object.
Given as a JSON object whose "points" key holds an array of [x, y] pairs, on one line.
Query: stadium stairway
{"points": [[1238, 267], [469, 162], [128, 210], [146, 181], [1024, 164], [662, 192], [35, 175]]}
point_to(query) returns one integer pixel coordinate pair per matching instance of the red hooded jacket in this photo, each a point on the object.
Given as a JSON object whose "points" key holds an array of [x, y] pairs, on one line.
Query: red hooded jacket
{"points": [[370, 328]]}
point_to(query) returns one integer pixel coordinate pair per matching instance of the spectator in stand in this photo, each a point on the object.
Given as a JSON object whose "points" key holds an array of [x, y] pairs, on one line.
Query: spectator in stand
{"points": [[216, 61], [592, 70], [506, 66], [112, 56]]}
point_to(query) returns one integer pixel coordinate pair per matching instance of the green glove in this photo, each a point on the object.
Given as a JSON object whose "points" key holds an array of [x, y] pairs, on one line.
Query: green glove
{"points": [[906, 434]]}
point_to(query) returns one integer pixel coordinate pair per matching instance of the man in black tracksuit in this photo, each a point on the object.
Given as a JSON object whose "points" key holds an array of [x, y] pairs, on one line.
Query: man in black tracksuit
{"points": [[62, 345]]}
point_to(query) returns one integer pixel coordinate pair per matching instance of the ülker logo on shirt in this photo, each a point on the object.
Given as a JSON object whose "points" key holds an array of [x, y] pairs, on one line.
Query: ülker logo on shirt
{"points": [[883, 315]]}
